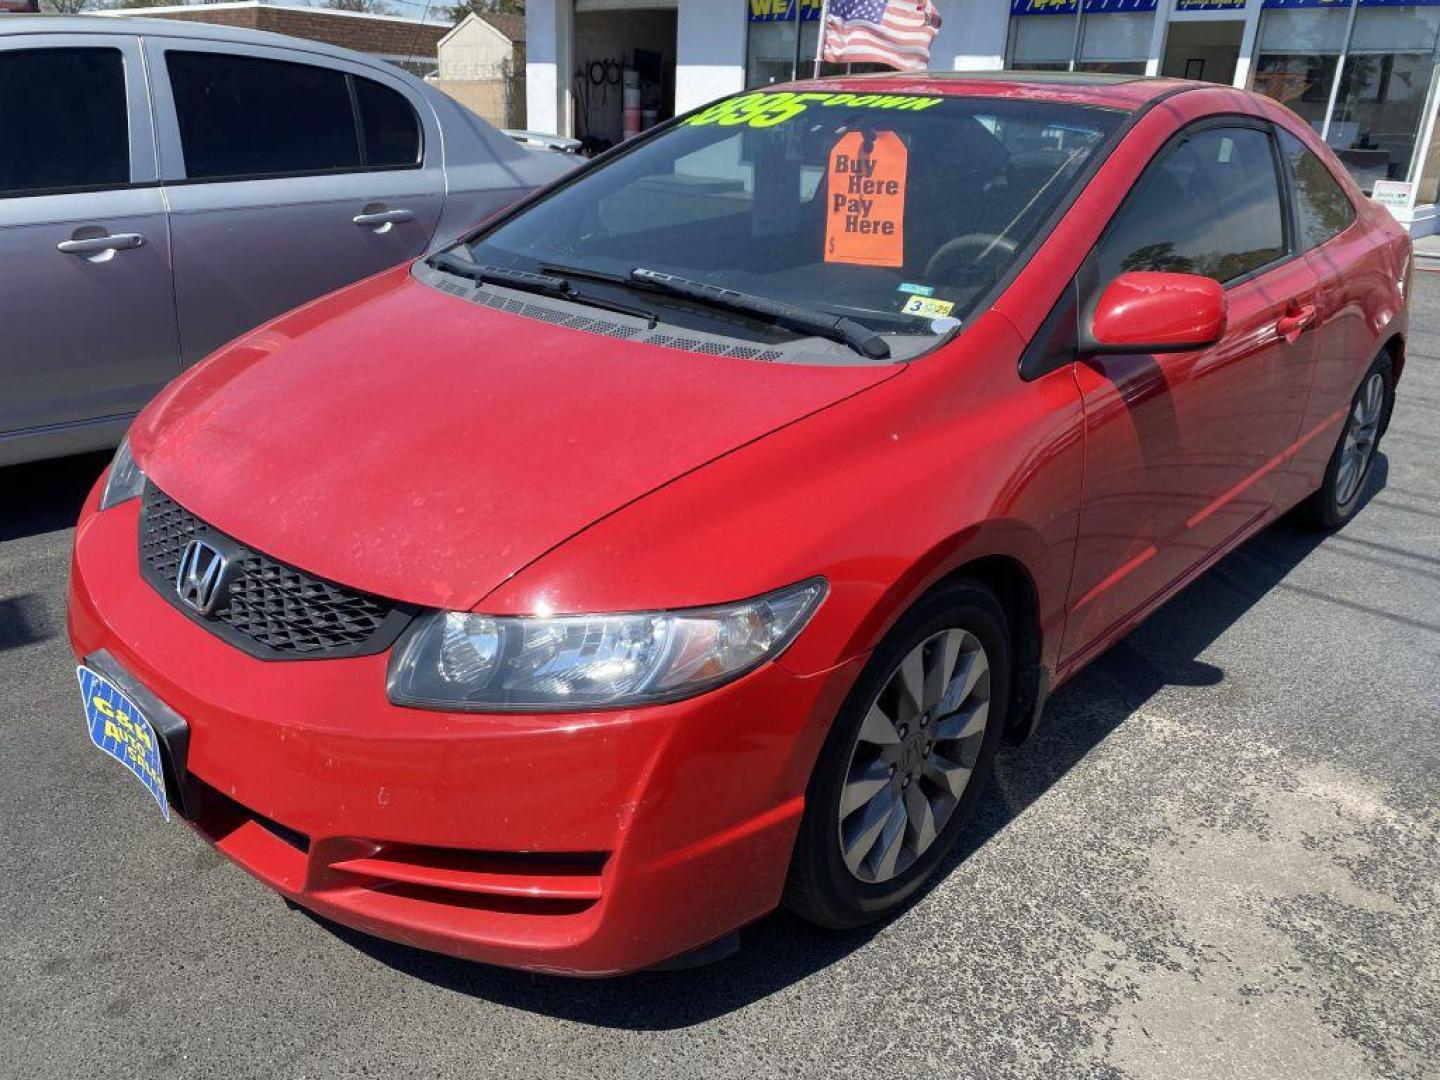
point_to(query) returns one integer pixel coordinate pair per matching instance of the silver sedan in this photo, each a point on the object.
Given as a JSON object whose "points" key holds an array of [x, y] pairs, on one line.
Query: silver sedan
{"points": [[168, 185]]}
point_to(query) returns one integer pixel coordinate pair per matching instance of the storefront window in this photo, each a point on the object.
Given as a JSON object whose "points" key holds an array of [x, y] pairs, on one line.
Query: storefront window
{"points": [[1056, 35], [1427, 189], [772, 53], [1383, 89], [1298, 51], [1384, 54], [1117, 42], [1041, 43]]}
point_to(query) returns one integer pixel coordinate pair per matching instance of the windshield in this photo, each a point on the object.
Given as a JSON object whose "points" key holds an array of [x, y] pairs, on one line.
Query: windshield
{"points": [[897, 211]]}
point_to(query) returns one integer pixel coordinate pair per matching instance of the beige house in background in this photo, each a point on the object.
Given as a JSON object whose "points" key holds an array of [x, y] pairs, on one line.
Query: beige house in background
{"points": [[482, 66]]}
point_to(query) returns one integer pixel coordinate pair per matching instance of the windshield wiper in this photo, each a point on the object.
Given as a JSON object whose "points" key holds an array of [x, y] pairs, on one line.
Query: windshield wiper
{"points": [[589, 275], [835, 327], [543, 284], [499, 275]]}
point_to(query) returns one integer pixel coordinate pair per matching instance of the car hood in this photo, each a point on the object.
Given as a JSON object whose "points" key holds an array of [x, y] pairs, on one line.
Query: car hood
{"points": [[418, 446]]}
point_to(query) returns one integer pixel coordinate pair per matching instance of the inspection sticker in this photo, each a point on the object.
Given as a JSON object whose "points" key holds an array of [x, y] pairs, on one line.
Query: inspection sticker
{"points": [[928, 308], [865, 224]]}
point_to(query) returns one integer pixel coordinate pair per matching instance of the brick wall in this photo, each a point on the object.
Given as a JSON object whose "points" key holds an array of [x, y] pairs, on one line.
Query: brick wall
{"points": [[384, 36]]}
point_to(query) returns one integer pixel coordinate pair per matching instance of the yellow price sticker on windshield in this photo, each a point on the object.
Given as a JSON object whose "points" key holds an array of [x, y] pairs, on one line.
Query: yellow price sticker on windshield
{"points": [[928, 307]]}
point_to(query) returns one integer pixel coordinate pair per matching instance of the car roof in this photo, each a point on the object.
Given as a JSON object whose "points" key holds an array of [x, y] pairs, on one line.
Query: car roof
{"points": [[124, 26], [1125, 92]]}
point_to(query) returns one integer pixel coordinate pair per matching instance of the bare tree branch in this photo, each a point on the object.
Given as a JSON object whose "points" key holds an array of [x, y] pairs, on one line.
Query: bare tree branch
{"points": [[368, 7], [457, 11]]}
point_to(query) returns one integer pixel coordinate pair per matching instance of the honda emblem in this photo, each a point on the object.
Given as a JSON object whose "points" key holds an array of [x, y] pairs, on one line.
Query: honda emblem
{"points": [[201, 576]]}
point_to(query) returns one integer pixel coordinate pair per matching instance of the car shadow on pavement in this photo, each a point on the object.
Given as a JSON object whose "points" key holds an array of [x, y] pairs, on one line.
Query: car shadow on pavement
{"points": [[45, 496], [38, 498], [23, 621], [781, 950]]}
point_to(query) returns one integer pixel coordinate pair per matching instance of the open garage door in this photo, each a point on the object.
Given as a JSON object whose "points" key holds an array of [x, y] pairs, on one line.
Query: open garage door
{"points": [[624, 78]]}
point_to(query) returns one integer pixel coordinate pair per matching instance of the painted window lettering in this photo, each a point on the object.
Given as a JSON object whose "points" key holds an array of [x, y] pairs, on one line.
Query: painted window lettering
{"points": [[763, 110]]}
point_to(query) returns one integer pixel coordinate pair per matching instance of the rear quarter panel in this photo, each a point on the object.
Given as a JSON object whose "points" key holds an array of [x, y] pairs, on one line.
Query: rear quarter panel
{"points": [[1362, 309], [485, 170], [1363, 304]]}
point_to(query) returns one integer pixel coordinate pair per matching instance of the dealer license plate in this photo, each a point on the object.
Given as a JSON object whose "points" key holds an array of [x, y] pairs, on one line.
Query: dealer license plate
{"points": [[119, 729]]}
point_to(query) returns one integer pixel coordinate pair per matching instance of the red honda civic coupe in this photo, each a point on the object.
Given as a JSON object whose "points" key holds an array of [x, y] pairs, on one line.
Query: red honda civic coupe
{"points": [[688, 539]]}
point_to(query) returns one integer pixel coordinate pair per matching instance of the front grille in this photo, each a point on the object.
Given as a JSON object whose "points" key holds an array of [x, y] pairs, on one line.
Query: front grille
{"points": [[268, 609]]}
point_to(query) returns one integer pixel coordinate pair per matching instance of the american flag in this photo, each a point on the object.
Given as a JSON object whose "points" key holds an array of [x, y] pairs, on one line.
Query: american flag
{"points": [[897, 33]]}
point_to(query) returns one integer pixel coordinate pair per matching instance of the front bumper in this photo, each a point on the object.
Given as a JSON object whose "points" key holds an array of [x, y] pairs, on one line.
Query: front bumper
{"points": [[586, 844]]}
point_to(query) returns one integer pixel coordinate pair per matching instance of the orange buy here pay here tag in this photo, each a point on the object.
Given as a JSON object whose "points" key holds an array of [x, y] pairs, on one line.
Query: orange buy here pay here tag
{"points": [[866, 219]]}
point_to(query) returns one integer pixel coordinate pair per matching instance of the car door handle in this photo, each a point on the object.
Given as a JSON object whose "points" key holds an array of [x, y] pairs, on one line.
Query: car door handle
{"points": [[91, 245], [383, 217], [1296, 320]]}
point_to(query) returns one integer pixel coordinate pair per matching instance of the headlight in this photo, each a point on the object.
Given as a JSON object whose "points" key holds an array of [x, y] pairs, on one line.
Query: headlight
{"points": [[125, 481], [481, 663]]}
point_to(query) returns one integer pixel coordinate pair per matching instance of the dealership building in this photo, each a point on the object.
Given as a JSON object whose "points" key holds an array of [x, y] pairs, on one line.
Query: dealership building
{"points": [[1361, 72]]}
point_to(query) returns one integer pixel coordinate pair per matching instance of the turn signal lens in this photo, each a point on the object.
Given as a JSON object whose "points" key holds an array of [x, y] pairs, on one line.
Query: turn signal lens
{"points": [[125, 481]]}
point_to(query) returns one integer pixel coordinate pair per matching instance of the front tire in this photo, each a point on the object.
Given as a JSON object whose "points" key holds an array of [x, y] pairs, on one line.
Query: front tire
{"points": [[1346, 474], [906, 760]]}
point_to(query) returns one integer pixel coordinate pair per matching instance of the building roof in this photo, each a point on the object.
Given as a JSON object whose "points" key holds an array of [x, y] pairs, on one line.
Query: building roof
{"points": [[512, 26], [392, 36], [509, 27], [163, 10]]}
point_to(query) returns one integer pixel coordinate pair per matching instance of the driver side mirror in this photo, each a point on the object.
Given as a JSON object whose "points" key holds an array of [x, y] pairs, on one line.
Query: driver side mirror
{"points": [[1145, 311]]}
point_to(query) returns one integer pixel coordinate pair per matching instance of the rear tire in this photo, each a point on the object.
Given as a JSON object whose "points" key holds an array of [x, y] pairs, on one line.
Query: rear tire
{"points": [[1348, 471], [906, 760]]}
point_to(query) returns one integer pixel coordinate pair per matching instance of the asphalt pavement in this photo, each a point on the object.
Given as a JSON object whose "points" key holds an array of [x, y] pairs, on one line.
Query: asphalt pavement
{"points": [[1219, 859]]}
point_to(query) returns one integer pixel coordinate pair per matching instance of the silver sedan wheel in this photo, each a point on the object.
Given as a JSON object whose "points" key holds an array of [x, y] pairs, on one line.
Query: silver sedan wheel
{"points": [[915, 755], [1360, 434]]}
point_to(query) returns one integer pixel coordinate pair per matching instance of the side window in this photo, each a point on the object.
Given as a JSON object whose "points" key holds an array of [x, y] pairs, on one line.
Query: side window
{"points": [[1209, 204], [64, 123], [389, 125], [1322, 208], [241, 116]]}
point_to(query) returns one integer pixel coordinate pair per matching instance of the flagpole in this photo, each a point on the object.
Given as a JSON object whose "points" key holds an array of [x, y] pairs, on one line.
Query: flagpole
{"points": [[799, 26], [820, 38]]}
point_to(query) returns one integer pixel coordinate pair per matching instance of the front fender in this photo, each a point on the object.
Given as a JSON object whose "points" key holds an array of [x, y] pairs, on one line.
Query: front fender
{"points": [[883, 493]]}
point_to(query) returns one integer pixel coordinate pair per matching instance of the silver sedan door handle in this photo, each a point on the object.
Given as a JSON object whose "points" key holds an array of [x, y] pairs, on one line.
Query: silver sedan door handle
{"points": [[92, 245], [372, 218]]}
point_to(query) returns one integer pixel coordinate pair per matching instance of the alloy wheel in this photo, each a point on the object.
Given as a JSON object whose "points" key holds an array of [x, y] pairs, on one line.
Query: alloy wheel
{"points": [[915, 755], [1361, 431]]}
